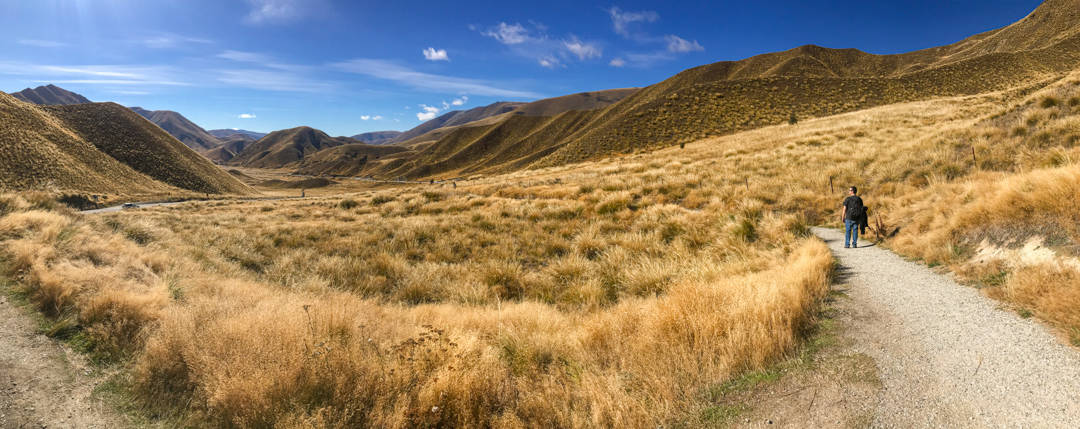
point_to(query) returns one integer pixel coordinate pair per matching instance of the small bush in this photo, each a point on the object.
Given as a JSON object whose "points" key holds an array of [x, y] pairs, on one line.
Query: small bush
{"points": [[1049, 102], [348, 204], [1075, 101], [380, 200]]}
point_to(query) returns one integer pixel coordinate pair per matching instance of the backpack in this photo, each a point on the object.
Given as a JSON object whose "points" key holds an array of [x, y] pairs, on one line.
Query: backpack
{"points": [[859, 210]]}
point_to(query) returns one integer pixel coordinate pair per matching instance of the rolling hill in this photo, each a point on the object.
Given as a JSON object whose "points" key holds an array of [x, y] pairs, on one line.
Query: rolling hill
{"points": [[229, 148], [180, 127], [49, 95], [457, 117], [377, 137], [286, 147], [100, 148]]}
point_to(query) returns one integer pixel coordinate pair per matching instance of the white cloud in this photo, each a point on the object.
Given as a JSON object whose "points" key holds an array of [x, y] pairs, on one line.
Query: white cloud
{"points": [[549, 62], [509, 34], [246, 116], [622, 20], [429, 112], [167, 41], [387, 70], [245, 57], [273, 11], [679, 45], [617, 62], [460, 101], [42, 43], [535, 44], [581, 49], [432, 54], [365, 117], [371, 117]]}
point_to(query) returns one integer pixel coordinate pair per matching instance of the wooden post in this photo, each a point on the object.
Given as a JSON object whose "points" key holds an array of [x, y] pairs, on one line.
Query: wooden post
{"points": [[747, 181], [831, 190], [973, 160]]}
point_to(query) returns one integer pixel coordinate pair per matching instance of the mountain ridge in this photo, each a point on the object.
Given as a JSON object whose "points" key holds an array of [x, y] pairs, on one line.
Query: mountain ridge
{"points": [[48, 95]]}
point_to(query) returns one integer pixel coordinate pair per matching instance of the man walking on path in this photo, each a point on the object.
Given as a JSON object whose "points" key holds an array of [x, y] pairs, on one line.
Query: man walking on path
{"points": [[850, 215]]}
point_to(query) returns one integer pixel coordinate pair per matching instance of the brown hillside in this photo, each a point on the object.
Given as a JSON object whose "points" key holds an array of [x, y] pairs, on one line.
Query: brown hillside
{"points": [[346, 160], [767, 89], [230, 146], [134, 141], [457, 117], [49, 95], [286, 147], [180, 127], [38, 151], [812, 81]]}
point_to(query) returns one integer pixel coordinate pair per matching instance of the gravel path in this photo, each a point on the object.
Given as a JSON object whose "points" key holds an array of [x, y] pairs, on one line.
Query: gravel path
{"points": [[948, 356], [42, 384]]}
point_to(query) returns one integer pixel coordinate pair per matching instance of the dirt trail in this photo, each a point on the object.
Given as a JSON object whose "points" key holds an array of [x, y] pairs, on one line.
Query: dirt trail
{"points": [[43, 384], [948, 356]]}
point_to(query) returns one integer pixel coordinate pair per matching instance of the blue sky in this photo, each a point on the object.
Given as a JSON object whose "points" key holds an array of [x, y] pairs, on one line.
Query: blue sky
{"points": [[354, 66]]}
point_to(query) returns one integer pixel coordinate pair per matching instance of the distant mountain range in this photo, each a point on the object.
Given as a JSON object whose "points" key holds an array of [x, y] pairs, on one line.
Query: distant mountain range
{"points": [[180, 127], [377, 137], [49, 95], [229, 132]]}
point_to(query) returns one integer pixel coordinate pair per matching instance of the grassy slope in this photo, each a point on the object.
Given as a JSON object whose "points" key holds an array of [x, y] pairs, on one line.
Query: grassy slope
{"points": [[41, 152], [181, 128], [134, 141], [286, 147]]}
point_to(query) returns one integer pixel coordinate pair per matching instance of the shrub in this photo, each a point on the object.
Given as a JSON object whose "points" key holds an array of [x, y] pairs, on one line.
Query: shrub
{"points": [[348, 204], [381, 199], [1075, 101], [1048, 102]]}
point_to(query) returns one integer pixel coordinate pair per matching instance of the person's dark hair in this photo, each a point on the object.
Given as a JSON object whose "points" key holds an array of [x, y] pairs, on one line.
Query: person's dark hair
{"points": [[854, 190]]}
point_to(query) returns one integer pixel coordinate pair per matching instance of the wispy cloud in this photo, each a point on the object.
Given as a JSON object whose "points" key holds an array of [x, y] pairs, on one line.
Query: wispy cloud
{"points": [[509, 34], [245, 57], [679, 45], [125, 75], [169, 41], [42, 43], [460, 101], [623, 21], [371, 117], [628, 24], [534, 43], [581, 49], [432, 54], [246, 116], [273, 80], [386, 70], [282, 11]]}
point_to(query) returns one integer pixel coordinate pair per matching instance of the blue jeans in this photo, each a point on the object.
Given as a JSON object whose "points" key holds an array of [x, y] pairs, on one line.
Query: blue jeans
{"points": [[851, 232]]}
